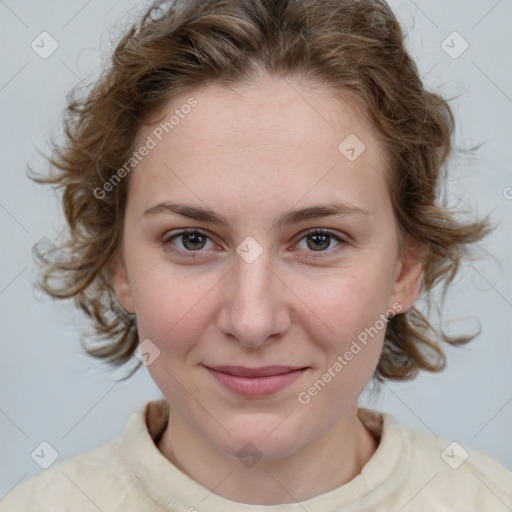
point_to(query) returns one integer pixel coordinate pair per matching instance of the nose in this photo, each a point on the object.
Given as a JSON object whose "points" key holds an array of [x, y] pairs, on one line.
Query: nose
{"points": [[254, 305]]}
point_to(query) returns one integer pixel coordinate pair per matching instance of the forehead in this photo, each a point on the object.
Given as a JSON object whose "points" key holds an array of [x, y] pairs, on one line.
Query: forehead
{"points": [[275, 138]]}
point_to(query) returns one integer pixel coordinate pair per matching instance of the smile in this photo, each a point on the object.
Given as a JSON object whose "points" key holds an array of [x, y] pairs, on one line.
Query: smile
{"points": [[263, 381]]}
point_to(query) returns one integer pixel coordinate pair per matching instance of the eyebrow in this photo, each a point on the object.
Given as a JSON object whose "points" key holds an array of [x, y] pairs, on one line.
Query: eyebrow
{"points": [[289, 217]]}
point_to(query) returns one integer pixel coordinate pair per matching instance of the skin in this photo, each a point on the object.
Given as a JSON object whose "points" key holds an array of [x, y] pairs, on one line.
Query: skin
{"points": [[251, 154]]}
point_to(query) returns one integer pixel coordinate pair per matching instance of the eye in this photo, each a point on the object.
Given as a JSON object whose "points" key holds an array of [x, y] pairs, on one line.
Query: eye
{"points": [[318, 240], [192, 240]]}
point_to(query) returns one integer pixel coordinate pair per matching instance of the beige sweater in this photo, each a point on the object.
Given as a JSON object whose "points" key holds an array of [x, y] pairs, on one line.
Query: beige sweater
{"points": [[410, 471]]}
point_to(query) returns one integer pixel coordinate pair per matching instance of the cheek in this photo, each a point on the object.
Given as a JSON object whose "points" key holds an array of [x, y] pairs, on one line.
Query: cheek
{"points": [[350, 311], [172, 312], [172, 305], [346, 302], [350, 356], [353, 310]]}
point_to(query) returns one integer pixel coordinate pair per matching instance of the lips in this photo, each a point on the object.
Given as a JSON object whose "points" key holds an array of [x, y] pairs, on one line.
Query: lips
{"points": [[264, 371], [255, 382]]}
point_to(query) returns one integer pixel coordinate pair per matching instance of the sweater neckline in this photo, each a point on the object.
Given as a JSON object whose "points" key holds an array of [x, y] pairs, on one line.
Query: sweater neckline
{"points": [[171, 488]]}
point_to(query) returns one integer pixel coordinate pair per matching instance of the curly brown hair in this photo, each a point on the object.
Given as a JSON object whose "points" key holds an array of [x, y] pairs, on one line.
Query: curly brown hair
{"points": [[355, 47]]}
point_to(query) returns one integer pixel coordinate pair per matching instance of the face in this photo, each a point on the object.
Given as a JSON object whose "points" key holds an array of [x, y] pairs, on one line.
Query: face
{"points": [[265, 287]]}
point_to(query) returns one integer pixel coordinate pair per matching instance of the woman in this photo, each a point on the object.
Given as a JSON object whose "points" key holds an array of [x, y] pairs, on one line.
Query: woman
{"points": [[251, 193]]}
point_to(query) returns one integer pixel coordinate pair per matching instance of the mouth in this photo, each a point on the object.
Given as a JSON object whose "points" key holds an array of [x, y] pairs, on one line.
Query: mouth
{"points": [[263, 381]]}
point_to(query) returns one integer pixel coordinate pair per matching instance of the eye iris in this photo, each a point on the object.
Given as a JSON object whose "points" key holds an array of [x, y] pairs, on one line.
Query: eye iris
{"points": [[321, 241], [192, 238]]}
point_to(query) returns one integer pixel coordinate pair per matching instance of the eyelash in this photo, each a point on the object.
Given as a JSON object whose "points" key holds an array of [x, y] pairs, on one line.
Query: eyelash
{"points": [[196, 254]]}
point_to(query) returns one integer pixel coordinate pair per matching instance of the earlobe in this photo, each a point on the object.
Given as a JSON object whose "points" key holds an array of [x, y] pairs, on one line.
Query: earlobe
{"points": [[121, 284], [409, 276]]}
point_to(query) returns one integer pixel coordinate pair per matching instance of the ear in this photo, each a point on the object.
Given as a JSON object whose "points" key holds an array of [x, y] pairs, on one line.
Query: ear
{"points": [[121, 283], [408, 275]]}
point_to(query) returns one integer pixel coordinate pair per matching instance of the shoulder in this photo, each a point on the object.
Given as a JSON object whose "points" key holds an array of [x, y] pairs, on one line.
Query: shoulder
{"points": [[87, 482], [443, 474], [105, 478]]}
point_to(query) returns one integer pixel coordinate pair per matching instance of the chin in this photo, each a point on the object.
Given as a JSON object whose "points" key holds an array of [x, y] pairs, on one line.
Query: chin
{"points": [[261, 440]]}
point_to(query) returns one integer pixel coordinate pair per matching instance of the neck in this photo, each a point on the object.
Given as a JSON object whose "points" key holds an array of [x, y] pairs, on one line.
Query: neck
{"points": [[324, 464]]}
